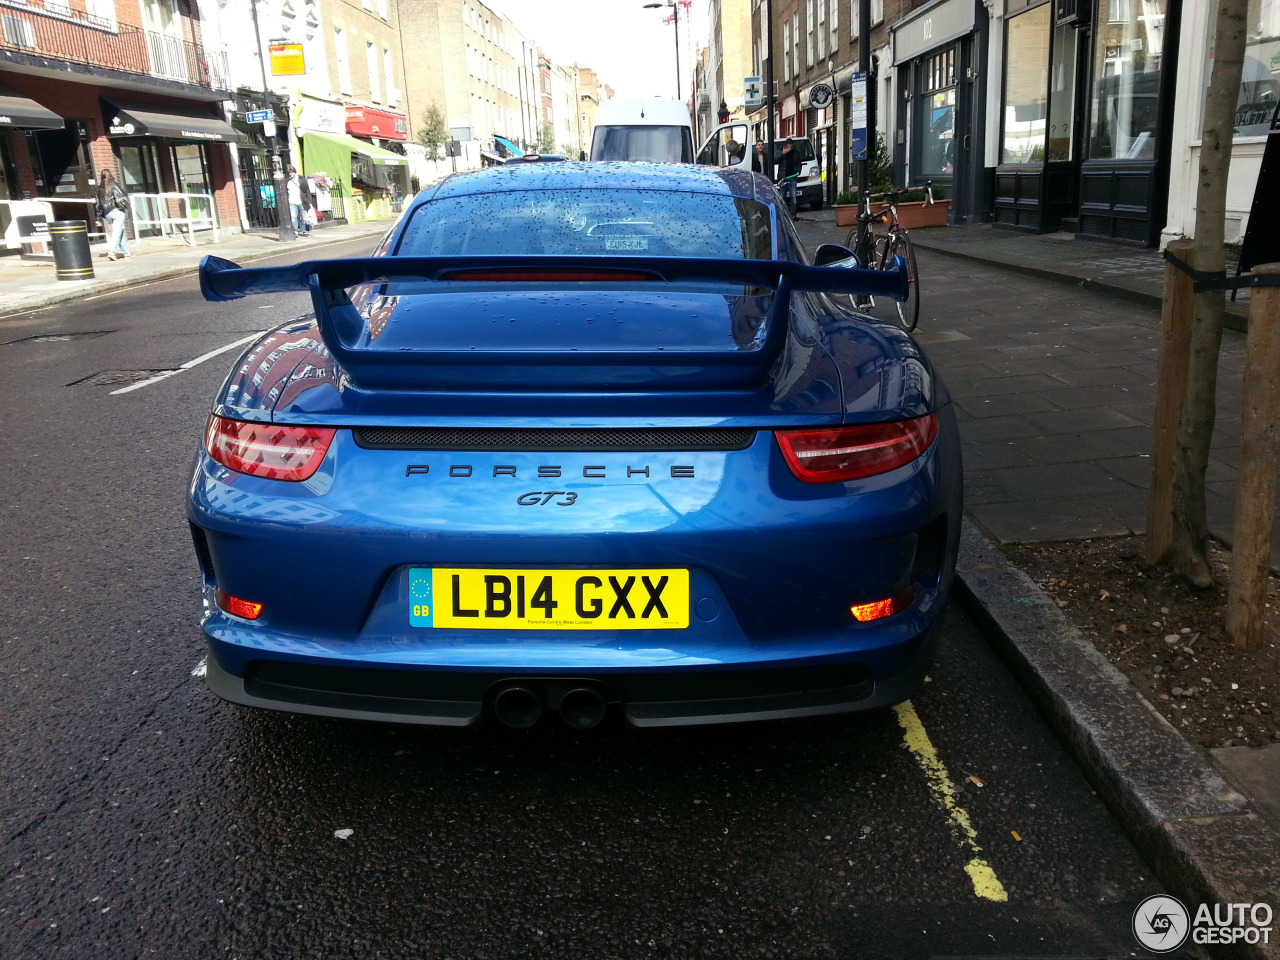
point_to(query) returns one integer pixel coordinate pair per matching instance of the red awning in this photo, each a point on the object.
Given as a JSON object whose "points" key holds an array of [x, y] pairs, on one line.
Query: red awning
{"points": [[372, 122]]}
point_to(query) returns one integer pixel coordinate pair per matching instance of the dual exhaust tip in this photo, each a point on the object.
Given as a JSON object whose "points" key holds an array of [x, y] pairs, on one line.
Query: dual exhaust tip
{"points": [[521, 704]]}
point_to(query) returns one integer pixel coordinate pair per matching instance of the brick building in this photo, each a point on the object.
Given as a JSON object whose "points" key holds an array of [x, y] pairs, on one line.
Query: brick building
{"points": [[125, 85]]}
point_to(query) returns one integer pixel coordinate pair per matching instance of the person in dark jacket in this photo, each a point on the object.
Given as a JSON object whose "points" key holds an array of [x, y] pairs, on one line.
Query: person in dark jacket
{"points": [[789, 174], [113, 208], [757, 158]]}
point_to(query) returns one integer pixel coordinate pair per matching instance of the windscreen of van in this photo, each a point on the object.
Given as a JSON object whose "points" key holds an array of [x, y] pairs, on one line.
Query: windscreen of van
{"points": [[657, 144]]}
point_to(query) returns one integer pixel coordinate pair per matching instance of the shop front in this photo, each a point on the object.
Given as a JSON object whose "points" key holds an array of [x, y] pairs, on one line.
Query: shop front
{"points": [[820, 125], [352, 177], [939, 122], [174, 163], [1256, 105], [20, 118], [257, 178], [1084, 123], [388, 131]]}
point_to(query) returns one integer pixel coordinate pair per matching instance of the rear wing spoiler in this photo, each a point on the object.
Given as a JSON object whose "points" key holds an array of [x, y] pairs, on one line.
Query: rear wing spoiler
{"points": [[346, 335]]}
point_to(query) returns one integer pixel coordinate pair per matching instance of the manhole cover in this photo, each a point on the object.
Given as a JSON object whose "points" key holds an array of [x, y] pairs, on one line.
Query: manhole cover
{"points": [[59, 337], [114, 378]]}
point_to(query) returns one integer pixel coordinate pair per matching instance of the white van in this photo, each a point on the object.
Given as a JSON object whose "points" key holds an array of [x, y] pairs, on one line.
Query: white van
{"points": [[724, 148], [656, 130]]}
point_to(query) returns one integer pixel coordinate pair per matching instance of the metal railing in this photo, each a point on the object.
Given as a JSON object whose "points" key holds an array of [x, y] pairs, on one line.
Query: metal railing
{"points": [[77, 37], [173, 211]]}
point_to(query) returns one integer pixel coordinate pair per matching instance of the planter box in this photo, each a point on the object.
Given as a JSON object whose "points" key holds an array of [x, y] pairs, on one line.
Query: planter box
{"points": [[915, 215], [846, 214]]}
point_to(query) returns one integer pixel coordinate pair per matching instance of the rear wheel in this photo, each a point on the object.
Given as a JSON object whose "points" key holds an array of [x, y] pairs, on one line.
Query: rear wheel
{"points": [[909, 309], [866, 258]]}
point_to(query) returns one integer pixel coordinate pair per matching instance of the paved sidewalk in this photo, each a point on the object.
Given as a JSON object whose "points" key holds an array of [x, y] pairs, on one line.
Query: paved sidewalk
{"points": [[31, 284]]}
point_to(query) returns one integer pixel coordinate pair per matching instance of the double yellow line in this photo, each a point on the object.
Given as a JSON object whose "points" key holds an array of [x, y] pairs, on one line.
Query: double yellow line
{"points": [[985, 882]]}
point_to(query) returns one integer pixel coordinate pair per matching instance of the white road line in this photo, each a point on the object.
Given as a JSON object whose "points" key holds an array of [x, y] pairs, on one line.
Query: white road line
{"points": [[188, 365]]}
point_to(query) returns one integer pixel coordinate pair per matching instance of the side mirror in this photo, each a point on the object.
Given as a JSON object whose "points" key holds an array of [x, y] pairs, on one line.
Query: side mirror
{"points": [[834, 255]]}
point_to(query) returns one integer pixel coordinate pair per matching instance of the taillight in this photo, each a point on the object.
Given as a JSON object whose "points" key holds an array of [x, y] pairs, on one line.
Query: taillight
{"points": [[848, 453], [267, 450], [879, 609], [240, 608]]}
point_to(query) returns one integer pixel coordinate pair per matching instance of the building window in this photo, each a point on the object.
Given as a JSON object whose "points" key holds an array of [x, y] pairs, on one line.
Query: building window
{"points": [[393, 95], [795, 38], [810, 24], [341, 57], [382, 9], [835, 25], [935, 115], [1128, 55], [1026, 81], [821, 30], [786, 50], [371, 57]]}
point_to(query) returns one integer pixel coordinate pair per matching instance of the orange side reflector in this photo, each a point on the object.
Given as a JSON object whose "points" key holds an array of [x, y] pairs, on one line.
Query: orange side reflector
{"points": [[865, 612], [237, 607]]}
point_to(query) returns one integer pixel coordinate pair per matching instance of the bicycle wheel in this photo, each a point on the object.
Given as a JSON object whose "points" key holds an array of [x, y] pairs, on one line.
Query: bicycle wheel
{"points": [[909, 309], [854, 239]]}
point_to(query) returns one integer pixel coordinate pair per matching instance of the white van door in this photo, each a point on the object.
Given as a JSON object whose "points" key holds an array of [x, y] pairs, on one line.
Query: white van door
{"points": [[728, 146]]}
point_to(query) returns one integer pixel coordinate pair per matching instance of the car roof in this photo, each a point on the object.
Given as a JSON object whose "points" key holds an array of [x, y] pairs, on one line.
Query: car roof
{"points": [[597, 175]]}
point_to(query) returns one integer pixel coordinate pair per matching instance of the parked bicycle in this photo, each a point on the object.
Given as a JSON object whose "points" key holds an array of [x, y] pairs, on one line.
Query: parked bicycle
{"points": [[877, 249]]}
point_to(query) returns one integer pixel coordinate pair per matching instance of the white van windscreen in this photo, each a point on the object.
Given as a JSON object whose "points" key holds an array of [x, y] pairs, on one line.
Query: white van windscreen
{"points": [[656, 144]]}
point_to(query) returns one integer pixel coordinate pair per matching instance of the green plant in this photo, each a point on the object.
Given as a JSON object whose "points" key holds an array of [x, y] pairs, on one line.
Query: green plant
{"points": [[434, 133], [880, 166], [846, 197], [546, 137]]}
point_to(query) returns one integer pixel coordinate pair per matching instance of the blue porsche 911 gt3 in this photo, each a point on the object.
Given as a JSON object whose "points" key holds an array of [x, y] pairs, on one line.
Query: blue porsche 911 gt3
{"points": [[583, 439]]}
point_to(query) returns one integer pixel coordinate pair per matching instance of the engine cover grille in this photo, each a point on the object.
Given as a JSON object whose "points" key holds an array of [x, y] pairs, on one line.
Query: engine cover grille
{"points": [[631, 440]]}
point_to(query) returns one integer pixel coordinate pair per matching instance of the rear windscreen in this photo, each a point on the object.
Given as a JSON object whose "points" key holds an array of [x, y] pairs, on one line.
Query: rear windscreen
{"points": [[644, 223], [656, 144]]}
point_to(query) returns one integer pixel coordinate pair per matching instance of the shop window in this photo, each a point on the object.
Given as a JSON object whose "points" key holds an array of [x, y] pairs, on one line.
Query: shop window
{"points": [[1062, 95], [1260, 75], [1026, 81], [1128, 56], [935, 116], [191, 166]]}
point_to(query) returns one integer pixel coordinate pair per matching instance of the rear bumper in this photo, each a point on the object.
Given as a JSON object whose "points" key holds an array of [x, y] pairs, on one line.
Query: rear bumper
{"points": [[659, 699]]}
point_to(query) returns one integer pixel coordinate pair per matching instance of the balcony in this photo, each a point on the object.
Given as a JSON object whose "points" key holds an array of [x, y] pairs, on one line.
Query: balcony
{"points": [[59, 33]]}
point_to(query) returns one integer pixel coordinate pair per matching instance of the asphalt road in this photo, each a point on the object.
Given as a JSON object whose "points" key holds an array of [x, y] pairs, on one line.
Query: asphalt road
{"points": [[142, 817]]}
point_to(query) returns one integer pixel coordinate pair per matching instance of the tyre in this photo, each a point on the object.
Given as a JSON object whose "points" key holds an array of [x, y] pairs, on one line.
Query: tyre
{"points": [[909, 309]]}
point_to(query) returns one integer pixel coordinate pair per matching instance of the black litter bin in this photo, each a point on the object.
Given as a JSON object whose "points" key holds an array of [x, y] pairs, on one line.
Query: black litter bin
{"points": [[71, 249]]}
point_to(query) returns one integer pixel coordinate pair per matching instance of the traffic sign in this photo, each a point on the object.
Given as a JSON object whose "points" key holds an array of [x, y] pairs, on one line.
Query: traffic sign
{"points": [[258, 116], [754, 91]]}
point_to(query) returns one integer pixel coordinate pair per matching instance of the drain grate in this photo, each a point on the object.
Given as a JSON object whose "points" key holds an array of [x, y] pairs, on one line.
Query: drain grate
{"points": [[115, 378], [60, 337]]}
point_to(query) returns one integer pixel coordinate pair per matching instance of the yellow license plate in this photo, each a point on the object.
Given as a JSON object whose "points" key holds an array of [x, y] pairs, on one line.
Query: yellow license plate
{"points": [[549, 599]]}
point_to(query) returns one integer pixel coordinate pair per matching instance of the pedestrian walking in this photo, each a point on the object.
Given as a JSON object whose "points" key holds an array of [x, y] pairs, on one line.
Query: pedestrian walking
{"points": [[300, 201], [788, 174], [113, 207], [757, 158]]}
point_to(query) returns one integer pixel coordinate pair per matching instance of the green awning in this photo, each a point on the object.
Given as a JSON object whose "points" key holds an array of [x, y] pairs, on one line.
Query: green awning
{"points": [[325, 150]]}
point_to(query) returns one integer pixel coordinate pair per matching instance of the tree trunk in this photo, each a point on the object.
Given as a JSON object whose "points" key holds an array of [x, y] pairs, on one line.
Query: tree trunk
{"points": [[1190, 548]]}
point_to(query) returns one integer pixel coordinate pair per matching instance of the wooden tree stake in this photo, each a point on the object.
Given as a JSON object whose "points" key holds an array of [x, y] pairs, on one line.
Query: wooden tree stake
{"points": [[1259, 446], [1171, 388]]}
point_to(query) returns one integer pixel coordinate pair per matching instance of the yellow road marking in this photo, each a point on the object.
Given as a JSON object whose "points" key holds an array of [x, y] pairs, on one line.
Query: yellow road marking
{"points": [[985, 882]]}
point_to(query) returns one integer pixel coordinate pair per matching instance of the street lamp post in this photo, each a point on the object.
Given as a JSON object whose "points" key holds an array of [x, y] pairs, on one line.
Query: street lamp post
{"points": [[675, 12], [284, 224]]}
